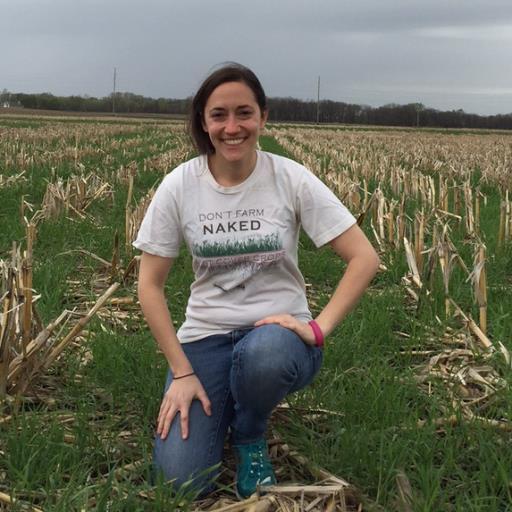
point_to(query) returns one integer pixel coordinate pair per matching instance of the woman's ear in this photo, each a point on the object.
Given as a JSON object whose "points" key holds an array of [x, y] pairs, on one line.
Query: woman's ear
{"points": [[264, 117]]}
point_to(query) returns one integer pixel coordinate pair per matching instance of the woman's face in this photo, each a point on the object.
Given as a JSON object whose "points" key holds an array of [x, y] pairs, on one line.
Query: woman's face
{"points": [[233, 120]]}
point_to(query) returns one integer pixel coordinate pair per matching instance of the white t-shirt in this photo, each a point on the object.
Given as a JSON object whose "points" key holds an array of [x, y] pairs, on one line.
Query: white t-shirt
{"points": [[243, 239]]}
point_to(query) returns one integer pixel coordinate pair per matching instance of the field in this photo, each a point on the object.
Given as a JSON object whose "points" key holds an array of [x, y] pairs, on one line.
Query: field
{"points": [[413, 404]]}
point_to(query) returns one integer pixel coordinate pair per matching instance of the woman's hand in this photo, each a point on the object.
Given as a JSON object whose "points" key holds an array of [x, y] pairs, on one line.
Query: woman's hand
{"points": [[178, 398], [302, 329]]}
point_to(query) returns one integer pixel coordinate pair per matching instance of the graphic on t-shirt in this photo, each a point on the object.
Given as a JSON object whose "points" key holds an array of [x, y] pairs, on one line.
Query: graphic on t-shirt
{"points": [[247, 248]]}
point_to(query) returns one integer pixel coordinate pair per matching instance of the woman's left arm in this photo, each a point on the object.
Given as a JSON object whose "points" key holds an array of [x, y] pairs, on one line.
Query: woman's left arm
{"points": [[362, 265]]}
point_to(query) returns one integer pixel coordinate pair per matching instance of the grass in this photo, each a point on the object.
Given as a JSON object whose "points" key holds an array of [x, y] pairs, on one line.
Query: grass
{"points": [[464, 467], [367, 376]]}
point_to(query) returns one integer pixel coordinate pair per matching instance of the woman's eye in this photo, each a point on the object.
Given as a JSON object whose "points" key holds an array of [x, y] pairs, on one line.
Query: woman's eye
{"points": [[245, 113]]}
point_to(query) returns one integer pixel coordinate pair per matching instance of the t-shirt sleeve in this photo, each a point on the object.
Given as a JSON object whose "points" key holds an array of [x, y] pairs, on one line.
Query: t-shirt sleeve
{"points": [[322, 214], [160, 232]]}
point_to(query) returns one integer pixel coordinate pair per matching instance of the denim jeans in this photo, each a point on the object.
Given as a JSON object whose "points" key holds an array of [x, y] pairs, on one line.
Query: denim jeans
{"points": [[245, 374]]}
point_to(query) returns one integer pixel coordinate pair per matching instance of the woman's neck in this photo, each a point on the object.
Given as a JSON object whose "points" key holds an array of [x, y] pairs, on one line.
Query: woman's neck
{"points": [[230, 174]]}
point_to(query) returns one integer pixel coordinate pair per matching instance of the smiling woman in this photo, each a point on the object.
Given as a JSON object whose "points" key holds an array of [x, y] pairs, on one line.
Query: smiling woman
{"points": [[249, 338]]}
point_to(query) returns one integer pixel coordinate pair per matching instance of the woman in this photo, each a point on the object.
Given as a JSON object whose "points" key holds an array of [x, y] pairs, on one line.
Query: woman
{"points": [[248, 339]]}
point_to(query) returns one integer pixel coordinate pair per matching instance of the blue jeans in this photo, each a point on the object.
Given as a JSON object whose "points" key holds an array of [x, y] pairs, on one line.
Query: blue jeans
{"points": [[245, 374]]}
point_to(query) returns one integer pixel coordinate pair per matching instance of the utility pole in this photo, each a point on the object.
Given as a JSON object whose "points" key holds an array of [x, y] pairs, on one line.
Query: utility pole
{"points": [[419, 108], [318, 102], [114, 94]]}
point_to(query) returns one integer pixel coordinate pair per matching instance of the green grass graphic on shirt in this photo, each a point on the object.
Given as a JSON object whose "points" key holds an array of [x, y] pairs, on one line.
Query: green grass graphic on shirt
{"points": [[267, 243]]}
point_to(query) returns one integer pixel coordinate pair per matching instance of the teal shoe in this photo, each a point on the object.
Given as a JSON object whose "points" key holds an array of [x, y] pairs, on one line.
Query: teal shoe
{"points": [[253, 468]]}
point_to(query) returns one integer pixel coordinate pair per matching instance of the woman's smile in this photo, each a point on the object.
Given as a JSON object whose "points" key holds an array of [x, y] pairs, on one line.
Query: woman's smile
{"points": [[233, 142]]}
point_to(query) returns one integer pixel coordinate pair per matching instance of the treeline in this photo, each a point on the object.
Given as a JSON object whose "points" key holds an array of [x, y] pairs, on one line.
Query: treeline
{"points": [[123, 103], [281, 109], [413, 114]]}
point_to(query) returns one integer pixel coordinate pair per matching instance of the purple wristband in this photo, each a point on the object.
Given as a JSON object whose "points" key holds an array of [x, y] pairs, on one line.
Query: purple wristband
{"points": [[319, 335]]}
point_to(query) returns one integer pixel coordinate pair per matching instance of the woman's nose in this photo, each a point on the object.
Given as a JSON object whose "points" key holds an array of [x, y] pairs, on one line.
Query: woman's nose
{"points": [[231, 124]]}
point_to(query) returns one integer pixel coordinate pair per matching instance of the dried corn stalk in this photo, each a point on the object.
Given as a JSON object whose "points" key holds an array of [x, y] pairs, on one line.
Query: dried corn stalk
{"points": [[6, 181], [134, 219], [479, 279], [74, 195], [26, 347], [505, 226]]}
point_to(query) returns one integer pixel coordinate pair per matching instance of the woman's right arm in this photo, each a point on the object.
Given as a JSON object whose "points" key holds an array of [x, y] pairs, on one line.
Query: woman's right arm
{"points": [[152, 276]]}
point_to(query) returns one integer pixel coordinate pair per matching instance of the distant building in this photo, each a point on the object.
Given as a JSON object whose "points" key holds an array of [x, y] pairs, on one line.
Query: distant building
{"points": [[11, 104]]}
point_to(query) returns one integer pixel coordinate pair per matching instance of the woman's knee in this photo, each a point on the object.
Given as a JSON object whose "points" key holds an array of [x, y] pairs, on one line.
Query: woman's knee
{"points": [[267, 352], [193, 461], [180, 465], [272, 356]]}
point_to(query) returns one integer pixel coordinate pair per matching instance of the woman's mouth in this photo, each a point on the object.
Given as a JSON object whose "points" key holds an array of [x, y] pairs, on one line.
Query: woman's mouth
{"points": [[233, 142]]}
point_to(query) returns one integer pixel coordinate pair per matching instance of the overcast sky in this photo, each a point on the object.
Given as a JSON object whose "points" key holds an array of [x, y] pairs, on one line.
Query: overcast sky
{"points": [[446, 54]]}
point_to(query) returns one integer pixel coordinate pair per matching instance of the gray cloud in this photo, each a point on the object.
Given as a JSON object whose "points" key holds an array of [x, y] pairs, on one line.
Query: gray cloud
{"points": [[446, 54]]}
